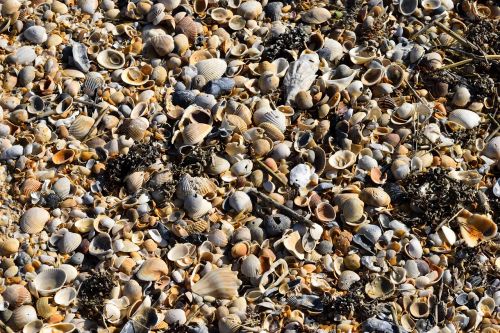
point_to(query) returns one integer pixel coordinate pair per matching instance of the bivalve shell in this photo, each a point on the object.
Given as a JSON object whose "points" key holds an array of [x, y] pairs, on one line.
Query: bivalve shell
{"points": [[111, 59], [152, 270], [50, 281], [34, 219]]}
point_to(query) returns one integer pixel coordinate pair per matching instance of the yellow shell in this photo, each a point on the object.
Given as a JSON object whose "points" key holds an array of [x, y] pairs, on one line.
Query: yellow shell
{"points": [[43, 307], [63, 156]]}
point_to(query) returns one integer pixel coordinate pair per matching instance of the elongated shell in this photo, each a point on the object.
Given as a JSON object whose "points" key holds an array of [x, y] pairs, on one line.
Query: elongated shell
{"points": [[211, 69], [222, 283], [34, 219], [300, 75], [111, 59], [152, 270], [50, 281], [81, 126]]}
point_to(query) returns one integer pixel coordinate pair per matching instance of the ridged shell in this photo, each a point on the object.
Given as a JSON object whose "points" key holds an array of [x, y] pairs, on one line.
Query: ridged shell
{"points": [[111, 59], [211, 69], [22, 316], [195, 133], [229, 324], [316, 15], [221, 283], [81, 126], [69, 242], [250, 266], [239, 124], [272, 131], [300, 75], [135, 128], [33, 220], [196, 206], [240, 110], [134, 181], [29, 186], [92, 82], [156, 14], [218, 238], [50, 281], [163, 44], [152, 270], [187, 27], [65, 296], [16, 295], [188, 185], [197, 227], [275, 117]]}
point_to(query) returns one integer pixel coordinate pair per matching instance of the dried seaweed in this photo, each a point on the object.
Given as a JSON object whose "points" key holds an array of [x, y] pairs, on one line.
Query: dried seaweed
{"points": [[92, 294], [293, 39]]}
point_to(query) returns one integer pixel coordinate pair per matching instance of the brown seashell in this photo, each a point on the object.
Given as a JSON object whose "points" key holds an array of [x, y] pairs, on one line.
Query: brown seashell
{"points": [[135, 128], [81, 126], [195, 133], [29, 186], [188, 27], [44, 309], [152, 269], [221, 283], [240, 249], [476, 228], [375, 196], [9, 246], [63, 156], [197, 227], [325, 212], [163, 44], [16, 295], [239, 124], [272, 131]]}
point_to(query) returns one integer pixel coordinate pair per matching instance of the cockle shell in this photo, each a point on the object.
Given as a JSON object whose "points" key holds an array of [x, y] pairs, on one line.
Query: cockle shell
{"points": [[111, 59], [50, 281], [33, 220], [316, 15], [251, 266], [9, 246], [69, 242], [242, 168], [218, 238], [196, 206], [92, 82], [163, 44], [300, 75], [195, 133], [152, 269], [81, 126], [16, 295], [100, 246], [188, 27], [221, 283], [229, 324], [240, 202], [211, 69], [22, 316]]}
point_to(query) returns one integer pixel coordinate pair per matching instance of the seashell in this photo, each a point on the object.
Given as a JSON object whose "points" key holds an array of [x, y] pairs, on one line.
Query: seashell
{"points": [[272, 131], [229, 324], [69, 242], [414, 249], [461, 97], [81, 126], [346, 279], [195, 133], [486, 306], [217, 165], [111, 59], [44, 309], [242, 168], [475, 228], [134, 76], [492, 149], [93, 81], [372, 76], [237, 122], [170, 5], [65, 296], [362, 54], [35, 34], [196, 206], [100, 246], [16, 295], [408, 7], [431, 4], [33, 220], [58, 328], [419, 309], [466, 118], [50, 281], [163, 44], [352, 209], [132, 290], [240, 202], [71, 272], [375, 196], [156, 13], [175, 316], [134, 128], [33, 326], [200, 6], [9, 246], [274, 117], [152, 269], [187, 26], [471, 177], [10, 7], [88, 6], [325, 212], [211, 69], [237, 23], [251, 267], [250, 10], [395, 75], [134, 181], [300, 75], [342, 159], [316, 15], [380, 288], [29, 186], [221, 283], [300, 175], [22, 316], [80, 57]]}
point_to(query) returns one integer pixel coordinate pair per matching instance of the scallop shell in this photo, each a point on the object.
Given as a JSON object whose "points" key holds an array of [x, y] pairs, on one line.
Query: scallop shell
{"points": [[163, 44], [134, 76], [221, 283], [152, 270], [16, 295], [111, 59], [251, 267], [92, 82], [65, 296], [81, 126], [187, 27], [50, 281], [33, 220], [211, 69], [300, 75], [218, 238], [316, 15], [195, 133], [22, 316]]}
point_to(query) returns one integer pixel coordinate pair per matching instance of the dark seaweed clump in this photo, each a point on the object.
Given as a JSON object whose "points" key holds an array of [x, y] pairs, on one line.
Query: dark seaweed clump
{"points": [[92, 294], [138, 158], [436, 197], [293, 39], [484, 33]]}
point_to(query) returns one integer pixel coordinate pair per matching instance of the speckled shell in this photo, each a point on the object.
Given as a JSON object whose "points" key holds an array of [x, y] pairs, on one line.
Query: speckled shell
{"points": [[152, 269], [221, 283], [300, 75], [81, 126], [33, 220]]}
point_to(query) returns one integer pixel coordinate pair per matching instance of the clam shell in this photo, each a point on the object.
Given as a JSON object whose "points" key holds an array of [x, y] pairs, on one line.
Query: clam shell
{"points": [[156, 14], [240, 202], [50, 281], [80, 57], [346, 279], [195, 133], [221, 283], [81, 126], [342, 159], [250, 10], [217, 165], [179, 251], [135, 128], [163, 44], [111, 59], [361, 55], [211, 69], [33, 326], [196, 206], [218, 238], [88, 6], [71, 272], [22, 316], [9, 246], [134, 76], [16, 295], [251, 267], [316, 15], [33, 220], [476, 228], [375, 196], [380, 288], [65, 296], [175, 316], [352, 209], [408, 7], [466, 118], [152, 269], [69, 242], [100, 246], [187, 27], [35, 34], [58, 328], [242, 168], [492, 149], [372, 76], [237, 22]]}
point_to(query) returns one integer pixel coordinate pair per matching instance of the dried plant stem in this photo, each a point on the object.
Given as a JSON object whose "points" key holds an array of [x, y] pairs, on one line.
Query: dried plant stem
{"points": [[282, 208], [495, 131], [272, 173], [102, 112], [456, 36], [466, 61], [426, 27], [448, 220], [81, 101]]}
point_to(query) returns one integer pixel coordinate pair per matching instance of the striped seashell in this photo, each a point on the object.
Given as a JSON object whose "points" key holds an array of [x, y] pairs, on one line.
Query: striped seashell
{"points": [[237, 122], [218, 238], [188, 27], [29, 186], [240, 110], [33, 220], [197, 227], [16, 295], [275, 117], [251, 267], [71, 272], [152, 269], [92, 82], [229, 324], [272, 131], [44, 309], [50, 281], [135, 128], [22, 316], [134, 181], [69, 242], [195, 133], [163, 44], [221, 283], [212, 69], [81, 126], [386, 102], [156, 14]]}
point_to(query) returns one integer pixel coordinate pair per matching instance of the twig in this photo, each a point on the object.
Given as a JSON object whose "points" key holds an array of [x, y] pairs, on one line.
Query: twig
{"points": [[102, 112], [284, 209], [81, 101], [495, 131], [466, 61], [426, 27], [448, 220], [272, 173], [456, 36]]}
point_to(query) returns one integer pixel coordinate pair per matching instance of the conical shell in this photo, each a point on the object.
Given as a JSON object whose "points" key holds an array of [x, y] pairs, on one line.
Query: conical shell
{"points": [[221, 283], [16, 295], [211, 69], [152, 270], [34, 219], [50, 281], [111, 59], [195, 133]]}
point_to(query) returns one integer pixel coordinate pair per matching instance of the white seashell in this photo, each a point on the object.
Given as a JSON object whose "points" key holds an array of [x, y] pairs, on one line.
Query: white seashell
{"points": [[25, 55], [65, 296], [211, 69], [242, 168], [362, 54], [35, 34], [195, 133], [221, 283], [152, 270], [196, 206], [163, 44], [300, 75], [466, 118], [250, 10], [275, 117], [33, 220], [22, 316], [50, 281], [88, 6], [217, 165], [492, 150], [301, 175], [414, 249], [251, 267], [100, 245], [346, 279], [240, 202], [175, 316], [342, 159], [69, 242], [111, 59], [62, 187], [71, 272], [179, 251], [33, 326], [81, 126], [229, 324], [461, 97]]}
